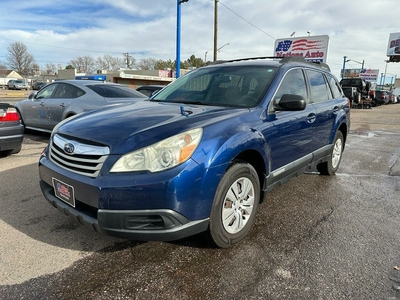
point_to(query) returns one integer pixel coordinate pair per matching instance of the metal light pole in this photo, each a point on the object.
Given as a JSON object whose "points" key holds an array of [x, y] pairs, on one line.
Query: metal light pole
{"points": [[344, 65], [384, 76], [178, 37], [222, 47]]}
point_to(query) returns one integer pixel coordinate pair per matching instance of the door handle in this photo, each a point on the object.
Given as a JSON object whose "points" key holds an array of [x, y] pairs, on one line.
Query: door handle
{"points": [[311, 118]]}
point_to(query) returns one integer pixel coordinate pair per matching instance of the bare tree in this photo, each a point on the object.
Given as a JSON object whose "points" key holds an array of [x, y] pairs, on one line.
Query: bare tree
{"points": [[110, 63], [84, 64], [2, 65], [147, 63], [51, 69], [19, 59]]}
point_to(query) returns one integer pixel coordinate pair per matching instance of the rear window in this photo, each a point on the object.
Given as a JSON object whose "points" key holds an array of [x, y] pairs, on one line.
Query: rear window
{"points": [[115, 91]]}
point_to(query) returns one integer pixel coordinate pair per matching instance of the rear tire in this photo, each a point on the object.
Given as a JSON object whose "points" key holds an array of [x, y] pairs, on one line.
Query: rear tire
{"points": [[330, 167], [235, 205]]}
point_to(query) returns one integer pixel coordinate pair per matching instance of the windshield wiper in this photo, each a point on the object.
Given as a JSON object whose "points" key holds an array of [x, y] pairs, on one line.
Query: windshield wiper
{"points": [[193, 102]]}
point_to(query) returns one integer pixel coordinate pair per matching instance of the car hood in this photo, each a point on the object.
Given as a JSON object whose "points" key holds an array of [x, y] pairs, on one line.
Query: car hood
{"points": [[129, 127]]}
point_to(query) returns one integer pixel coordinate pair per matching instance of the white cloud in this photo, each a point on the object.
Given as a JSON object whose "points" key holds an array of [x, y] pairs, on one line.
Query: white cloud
{"points": [[56, 34]]}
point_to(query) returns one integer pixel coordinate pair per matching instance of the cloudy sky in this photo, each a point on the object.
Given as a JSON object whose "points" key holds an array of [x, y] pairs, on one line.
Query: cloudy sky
{"points": [[57, 31]]}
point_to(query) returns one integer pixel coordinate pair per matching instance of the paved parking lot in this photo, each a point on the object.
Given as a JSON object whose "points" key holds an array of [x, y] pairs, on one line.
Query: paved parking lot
{"points": [[316, 237]]}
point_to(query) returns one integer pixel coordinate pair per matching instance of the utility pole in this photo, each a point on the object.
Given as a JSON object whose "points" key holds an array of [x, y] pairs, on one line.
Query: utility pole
{"points": [[127, 60], [215, 28]]}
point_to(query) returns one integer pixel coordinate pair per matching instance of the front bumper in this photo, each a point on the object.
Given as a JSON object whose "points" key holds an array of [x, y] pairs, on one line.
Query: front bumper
{"points": [[142, 225]]}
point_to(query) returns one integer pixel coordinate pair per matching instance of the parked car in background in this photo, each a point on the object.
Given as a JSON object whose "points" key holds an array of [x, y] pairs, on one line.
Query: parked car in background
{"points": [[38, 85], [391, 97], [20, 85], [381, 97], [150, 90], [63, 99], [201, 154], [11, 130], [10, 84]]}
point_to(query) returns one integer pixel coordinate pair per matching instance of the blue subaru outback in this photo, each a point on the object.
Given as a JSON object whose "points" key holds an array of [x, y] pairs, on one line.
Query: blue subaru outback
{"points": [[201, 154]]}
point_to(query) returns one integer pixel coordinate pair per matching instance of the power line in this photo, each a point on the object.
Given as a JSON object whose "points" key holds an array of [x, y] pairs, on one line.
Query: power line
{"points": [[247, 21]]}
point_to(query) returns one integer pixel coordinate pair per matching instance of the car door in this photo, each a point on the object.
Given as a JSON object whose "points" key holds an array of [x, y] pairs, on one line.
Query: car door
{"points": [[60, 100], [34, 112], [326, 107], [289, 134]]}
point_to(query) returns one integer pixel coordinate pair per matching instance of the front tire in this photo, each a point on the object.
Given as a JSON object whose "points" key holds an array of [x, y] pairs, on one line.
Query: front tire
{"points": [[235, 205], [330, 167]]}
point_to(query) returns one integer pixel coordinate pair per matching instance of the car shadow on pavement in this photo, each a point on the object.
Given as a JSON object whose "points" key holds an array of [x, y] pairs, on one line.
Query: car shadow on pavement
{"points": [[24, 208]]}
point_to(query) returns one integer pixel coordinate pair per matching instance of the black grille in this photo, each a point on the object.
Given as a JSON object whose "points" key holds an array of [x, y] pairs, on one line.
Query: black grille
{"points": [[86, 160]]}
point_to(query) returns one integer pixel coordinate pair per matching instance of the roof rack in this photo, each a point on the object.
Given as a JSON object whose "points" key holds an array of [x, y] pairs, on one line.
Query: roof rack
{"points": [[287, 59], [217, 62], [283, 60]]}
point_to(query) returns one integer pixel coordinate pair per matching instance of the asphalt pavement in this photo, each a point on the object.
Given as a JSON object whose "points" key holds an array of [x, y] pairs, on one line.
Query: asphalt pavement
{"points": [[316, 237]]}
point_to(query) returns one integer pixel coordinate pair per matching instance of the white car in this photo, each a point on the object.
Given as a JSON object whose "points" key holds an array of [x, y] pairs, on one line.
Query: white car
{"points": [[20, 85]]}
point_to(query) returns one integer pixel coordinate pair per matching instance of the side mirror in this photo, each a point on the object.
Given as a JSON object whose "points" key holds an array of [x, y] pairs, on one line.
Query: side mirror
{"points": [[32, 95], [291, 102]]}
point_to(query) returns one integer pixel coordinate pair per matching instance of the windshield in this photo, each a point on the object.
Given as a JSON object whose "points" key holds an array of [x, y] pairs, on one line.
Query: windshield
{"points": [[236, 86]]}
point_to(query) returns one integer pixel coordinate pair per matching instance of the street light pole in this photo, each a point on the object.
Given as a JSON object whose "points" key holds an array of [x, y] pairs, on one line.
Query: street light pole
{"points": [[344, 65], [178, 37], [222, 46], [384, 76]]}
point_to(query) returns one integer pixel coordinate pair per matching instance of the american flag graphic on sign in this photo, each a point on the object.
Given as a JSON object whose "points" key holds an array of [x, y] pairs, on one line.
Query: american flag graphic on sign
{"points": [[63, 190], [305, 44], [311, 48]]}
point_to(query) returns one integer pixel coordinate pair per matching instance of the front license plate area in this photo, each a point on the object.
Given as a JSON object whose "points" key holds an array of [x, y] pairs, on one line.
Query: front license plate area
{"points": [[64, 192]]}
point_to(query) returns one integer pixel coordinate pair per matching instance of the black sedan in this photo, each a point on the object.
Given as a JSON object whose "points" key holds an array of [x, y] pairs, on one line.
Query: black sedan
{"points": [[38, 85], [150, 90], [11, 130], [381, 97]]}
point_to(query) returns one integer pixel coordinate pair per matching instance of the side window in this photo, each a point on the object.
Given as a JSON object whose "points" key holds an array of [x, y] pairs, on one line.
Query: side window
{"points": [[292, 83], [318, 86], [67, 91], [114, 91], [46, 92], [335, 87]]}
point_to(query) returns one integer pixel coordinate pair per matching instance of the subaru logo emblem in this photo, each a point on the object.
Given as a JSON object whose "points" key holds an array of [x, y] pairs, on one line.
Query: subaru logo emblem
{"points": [[69, 148]]}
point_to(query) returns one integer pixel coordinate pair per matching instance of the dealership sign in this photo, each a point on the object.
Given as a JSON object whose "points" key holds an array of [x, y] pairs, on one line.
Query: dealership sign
{"points": [[312, 48], [393, 50], [366, 74], [394, 44]]}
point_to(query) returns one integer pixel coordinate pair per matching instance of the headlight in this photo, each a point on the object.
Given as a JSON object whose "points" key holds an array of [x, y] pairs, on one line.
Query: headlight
{"points": [[162, 155]]}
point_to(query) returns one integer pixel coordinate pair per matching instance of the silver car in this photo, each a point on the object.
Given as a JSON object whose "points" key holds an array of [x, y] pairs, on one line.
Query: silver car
{"points": [[62, 99], [20, 85]]}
